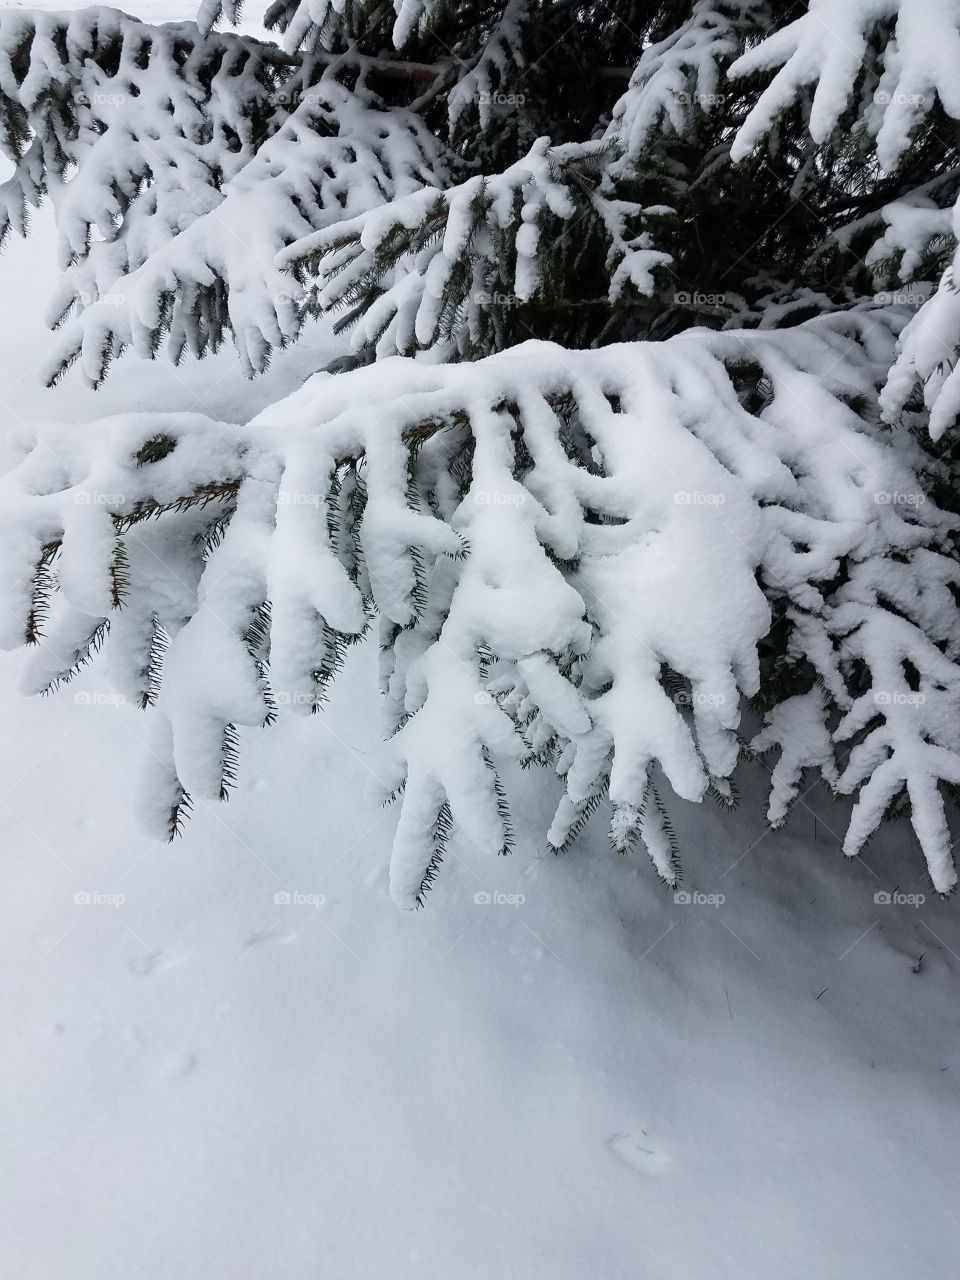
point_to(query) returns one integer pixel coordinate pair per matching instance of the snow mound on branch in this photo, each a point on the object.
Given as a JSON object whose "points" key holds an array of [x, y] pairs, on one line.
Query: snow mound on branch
{"points": [[336, 155]]}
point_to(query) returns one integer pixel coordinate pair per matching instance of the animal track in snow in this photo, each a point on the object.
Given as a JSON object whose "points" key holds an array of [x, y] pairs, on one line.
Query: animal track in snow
{"points": [[156, 962], [177, 1065], [638, 1155], [272, 936]]}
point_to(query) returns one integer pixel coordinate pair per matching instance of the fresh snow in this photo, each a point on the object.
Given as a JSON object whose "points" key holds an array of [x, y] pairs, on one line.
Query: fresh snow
{"points": [[577, 1078], [233, 1058]]}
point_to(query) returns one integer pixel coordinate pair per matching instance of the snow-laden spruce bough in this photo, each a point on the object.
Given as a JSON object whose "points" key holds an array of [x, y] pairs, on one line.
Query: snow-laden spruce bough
{"points": [[710, 475]]}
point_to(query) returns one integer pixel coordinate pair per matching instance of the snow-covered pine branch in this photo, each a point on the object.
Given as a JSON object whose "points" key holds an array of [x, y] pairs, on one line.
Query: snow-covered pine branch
{"points": [[131, 130], [445, 268], [908, 50], [682, 74], [894, 64], [573, 559], [311, 25], [540, 536], [455, 269], [178, 166], [338, 153], [495, 70], [402, 246], [318, 24], [190, 174], [524, 230]]}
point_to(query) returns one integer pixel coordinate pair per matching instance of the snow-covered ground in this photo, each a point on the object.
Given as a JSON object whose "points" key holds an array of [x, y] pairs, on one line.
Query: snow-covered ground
{"points": [[234, 1059]]}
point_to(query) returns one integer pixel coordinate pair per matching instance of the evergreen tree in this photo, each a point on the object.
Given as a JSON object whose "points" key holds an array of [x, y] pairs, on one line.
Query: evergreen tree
{"points": [[653, 332]]}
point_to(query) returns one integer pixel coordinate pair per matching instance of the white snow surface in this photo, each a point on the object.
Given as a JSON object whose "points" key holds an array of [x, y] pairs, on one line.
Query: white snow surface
{"points": [[233, 1058]]}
